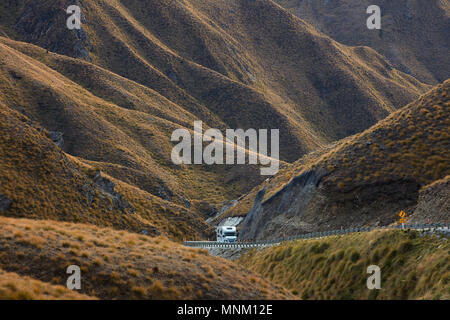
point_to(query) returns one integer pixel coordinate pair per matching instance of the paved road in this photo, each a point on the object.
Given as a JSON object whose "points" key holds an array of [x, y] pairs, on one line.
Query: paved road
{"points": [[441, 228]]}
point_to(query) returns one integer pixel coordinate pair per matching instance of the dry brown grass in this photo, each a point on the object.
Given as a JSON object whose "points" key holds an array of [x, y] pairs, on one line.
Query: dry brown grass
{"points": [[156, 67], [414, 46], [411, 144], [413, 266], [122, 265], [16, 287], [43, 182]]}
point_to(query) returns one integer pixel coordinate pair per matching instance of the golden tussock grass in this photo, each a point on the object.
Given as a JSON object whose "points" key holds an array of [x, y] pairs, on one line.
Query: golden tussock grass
{"points": [[16, 287], [111, 268], [413, 266], [410, 144], [119, 116], [43, 182]]}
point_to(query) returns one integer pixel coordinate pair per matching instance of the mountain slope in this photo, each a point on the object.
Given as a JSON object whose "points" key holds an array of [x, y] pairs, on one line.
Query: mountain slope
{"points": [[434, 202], [121, 265], [15, 287], [413, 266], [116, 90], [86, 118], [364, 179], [38, 180], [413, 35], [191, 55]]}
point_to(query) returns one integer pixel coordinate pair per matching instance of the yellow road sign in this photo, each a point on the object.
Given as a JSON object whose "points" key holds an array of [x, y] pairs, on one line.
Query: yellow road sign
{"points": [[402, 215]]}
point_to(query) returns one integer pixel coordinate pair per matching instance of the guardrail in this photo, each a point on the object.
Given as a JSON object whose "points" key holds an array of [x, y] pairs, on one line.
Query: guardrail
{"points": [[311, 235]]}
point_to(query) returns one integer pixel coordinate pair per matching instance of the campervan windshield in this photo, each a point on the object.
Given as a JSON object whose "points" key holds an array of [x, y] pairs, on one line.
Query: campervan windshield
{"points": [[226, 234]]}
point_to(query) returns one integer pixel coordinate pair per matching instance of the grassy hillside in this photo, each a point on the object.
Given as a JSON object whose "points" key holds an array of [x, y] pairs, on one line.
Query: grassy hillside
{"points": [[413, 35], [86, 175], [228, 63], [131, 141], [117, 88], [135, 72], [15, 287], [122, 265], [411, 144], [365, 179], [413, 266], [42, 182]]}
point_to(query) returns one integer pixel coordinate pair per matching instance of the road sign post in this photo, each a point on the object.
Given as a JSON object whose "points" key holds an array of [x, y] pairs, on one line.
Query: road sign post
{"points": [[402, 219]]}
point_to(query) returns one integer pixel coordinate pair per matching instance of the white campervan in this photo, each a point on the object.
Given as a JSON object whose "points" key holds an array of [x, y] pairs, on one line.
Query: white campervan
{"points": [[226, 234]]}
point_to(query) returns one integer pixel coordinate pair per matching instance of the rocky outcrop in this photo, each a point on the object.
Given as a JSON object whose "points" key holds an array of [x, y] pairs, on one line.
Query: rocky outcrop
{"points": [[215, 216], [151, 231], [41, 25], [254, 218], [228, 253], [5, 203], [82, 45], [231, 221], [57, 138], [307, 204], [434, 203], [289, 202], [107, 186], [165, 193]]}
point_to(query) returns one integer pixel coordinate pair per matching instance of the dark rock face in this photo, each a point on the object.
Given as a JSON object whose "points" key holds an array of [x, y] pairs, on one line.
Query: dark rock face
{"points": [[249, 227], [164, 193], [42, 25], [88, 192], [82, 44], [289, 202], [57, 138], [151, 231], [433, 204], [5, 203], [307, 204], [174, 77], [185, 202], [15, 75], [107, 186]]}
